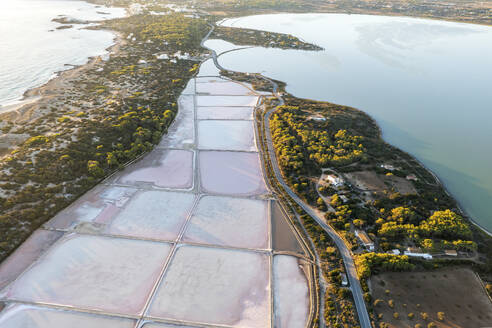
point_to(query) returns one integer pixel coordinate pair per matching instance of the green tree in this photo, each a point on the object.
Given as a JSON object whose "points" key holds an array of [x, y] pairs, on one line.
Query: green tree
{"points": [[94, 169]]}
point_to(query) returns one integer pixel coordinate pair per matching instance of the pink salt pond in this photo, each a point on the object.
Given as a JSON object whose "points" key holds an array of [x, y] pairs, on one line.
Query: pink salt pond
{"points": [[27, 316], [94, 273], [181, 133], [227, 100], [215, 286], [233, 173], [226, 135], [161, 168], [26, 254], [229, 221], [97, 206], [224, 113], [153, 214], [223, 88]]}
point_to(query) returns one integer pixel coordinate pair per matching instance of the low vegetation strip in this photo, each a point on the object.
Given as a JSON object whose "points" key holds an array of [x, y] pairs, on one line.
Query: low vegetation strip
{"points": [[249, 37]]}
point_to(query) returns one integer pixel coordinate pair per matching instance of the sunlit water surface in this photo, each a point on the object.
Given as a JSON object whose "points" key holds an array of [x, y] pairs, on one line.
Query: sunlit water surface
{"points": [[32, 49], [427, 83]]}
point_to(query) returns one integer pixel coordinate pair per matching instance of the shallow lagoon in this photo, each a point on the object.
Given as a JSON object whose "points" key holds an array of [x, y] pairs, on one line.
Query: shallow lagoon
{"points": [[426, 82]]}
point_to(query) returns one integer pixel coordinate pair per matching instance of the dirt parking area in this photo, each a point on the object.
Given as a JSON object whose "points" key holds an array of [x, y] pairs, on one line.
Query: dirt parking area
{"points": [[456, 292], [366, 180], [400, 185]]}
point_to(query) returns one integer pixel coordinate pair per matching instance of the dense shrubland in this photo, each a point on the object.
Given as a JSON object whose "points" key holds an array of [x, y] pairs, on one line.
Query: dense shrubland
{"points": [[249, 37], [110, 114]]}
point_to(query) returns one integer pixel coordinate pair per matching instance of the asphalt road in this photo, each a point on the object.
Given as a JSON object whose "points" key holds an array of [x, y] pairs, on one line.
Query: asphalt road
{"points": [[345, 252]]}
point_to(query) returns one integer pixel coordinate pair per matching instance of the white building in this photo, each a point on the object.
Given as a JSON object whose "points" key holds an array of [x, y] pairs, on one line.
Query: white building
{"points": [[417, 252], [364, 239], [334, 180], [395, 251], [388, 167], [344, 279]]}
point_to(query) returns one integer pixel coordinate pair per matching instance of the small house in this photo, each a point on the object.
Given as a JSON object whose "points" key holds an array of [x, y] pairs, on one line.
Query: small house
{"points": [[344, 279], [334, 180], [417, 252], [364, 239], [450, 252]]}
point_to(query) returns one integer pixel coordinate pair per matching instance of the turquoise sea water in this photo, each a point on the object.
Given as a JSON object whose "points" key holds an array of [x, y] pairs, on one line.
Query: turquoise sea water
{"points": [[428, 84]]}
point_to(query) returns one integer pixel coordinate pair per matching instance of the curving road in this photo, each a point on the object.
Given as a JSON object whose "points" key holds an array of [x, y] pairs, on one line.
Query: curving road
{"points": [[345, 252]]}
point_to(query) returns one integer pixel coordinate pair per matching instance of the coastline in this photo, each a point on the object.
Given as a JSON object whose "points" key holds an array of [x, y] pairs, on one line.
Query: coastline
{"points": [[438, 181], [40, 93], [232, 22]]}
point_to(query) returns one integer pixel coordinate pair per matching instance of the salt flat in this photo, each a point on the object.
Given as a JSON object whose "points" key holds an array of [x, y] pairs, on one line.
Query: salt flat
{"points": [[184, 236], [227, 100], [181, 133], [153, 214], [215, 286], [20, 316], [226, 135], [93, 272], [223, 88], [225, 113], [291, 293], [227, 221], [96, 206], [161, 168], [231, 173]]}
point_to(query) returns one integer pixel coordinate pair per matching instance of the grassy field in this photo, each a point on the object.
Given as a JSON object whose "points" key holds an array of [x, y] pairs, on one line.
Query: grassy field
{"points": [[456, 292]]}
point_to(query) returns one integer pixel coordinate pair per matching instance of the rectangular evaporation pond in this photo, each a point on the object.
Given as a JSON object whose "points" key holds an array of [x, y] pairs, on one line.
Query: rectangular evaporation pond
{"points": [[161, 168], [231, 173], [98, 205], [224, 88], [291, 293], [226, 100], [26, 254], [215, 286], [226, 135], [226, 221], [224, 113], [153, 214], [208, 68], [284, 238], [94, 273], [17, 316], [164, 325], [190, 88], [181, 133], [211, 79]]}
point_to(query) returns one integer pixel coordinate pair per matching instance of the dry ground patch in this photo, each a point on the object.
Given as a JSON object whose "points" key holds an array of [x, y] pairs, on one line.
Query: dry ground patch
{"points": [[456, 292], [371, 181]]}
